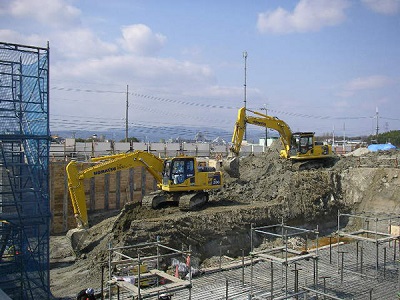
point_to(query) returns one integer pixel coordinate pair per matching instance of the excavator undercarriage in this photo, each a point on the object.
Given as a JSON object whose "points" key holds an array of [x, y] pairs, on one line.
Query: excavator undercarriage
{"points": [[313, 164], [185, 200]]}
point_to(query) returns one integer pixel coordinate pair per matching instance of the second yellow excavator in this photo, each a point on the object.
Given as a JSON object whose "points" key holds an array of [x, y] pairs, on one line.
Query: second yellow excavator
{"points": [[179, 179], [298, 147]]}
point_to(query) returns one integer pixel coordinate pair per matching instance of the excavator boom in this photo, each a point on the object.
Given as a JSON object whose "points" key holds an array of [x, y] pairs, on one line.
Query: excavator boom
{"points": [[231, 165], [108, 164], [258, 120]]}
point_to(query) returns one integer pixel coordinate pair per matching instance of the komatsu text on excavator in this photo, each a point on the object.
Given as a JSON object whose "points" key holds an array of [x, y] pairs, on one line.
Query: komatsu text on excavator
{"points": [[179, 179], [300, 147]]}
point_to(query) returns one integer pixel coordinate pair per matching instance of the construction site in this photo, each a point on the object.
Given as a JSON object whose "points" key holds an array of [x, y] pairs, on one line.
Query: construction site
{"points": [[273, 233], [130, 227]]}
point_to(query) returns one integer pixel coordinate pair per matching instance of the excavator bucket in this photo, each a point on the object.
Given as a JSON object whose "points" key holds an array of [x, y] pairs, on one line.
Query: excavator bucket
{"points": [[231, 166], [79, 238]]}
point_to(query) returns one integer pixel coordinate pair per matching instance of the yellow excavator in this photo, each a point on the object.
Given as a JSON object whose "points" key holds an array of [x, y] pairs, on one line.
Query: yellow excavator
{"points": [[179, 179], [299, 147]]}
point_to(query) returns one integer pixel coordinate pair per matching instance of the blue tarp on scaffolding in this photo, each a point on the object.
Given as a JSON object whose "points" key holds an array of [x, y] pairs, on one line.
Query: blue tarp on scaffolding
{"points": [[381, 147], [24, 172]]}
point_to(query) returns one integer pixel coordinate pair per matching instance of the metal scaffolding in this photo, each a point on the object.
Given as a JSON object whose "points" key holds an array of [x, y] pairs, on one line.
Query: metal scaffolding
{"points": [[138, 276], [24, 160]]}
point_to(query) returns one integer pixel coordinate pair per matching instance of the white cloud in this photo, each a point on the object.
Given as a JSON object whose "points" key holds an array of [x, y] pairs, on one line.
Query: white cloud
{"points": [[14, 37], [368, 83], [146, 72], [308, 15], [54, 13], [10, 36], [386, 7], [140, 39], [81, 43], [365, 83]]}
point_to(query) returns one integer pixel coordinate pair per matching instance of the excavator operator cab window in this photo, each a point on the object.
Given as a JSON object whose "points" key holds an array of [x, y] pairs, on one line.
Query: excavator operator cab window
{"points": [[181, 170], [295, 146], [301, 143], [166, 172], [306, 144], [189, 168]]}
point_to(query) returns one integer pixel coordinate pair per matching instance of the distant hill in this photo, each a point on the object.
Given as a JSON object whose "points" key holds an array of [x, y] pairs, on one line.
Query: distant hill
{"points": [[157, 134]]}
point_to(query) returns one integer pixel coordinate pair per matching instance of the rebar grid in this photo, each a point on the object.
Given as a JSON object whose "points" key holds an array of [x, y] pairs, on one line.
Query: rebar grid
{"points": [[311, 278], [362, 270], [369, 229], [258, 280]]}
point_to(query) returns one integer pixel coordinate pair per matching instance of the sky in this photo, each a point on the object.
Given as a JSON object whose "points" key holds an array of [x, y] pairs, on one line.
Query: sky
{"points": [[328, 66]]}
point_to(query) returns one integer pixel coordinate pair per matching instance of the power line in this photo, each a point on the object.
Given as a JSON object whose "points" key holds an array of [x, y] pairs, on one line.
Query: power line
{"points": [[204, 105], [117, 124]]}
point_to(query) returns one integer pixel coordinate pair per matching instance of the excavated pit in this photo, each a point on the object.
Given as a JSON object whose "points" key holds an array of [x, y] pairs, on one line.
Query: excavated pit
{"points": [[267, 192]]}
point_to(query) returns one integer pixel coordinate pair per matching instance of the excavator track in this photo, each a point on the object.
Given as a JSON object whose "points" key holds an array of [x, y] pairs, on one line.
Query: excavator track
{"points": [[153, 200], [192, 201], [313, 164], [307, 165]]}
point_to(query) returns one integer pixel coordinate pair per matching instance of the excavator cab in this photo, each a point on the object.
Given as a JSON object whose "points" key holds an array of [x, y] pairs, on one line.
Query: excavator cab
{"points": [[306, 153], [184, 173], [304, 146], [184, 182], [302, 143], [177, 170]]}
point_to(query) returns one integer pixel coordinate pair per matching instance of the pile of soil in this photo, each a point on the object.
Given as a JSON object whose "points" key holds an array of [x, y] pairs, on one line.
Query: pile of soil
{"points": [[268, 192]]}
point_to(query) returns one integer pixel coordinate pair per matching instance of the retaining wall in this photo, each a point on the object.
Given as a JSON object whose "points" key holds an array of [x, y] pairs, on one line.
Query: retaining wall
{"points": [[103, 193]]}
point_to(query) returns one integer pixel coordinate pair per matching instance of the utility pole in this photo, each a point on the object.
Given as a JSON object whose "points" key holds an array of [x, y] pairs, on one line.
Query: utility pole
{"points": [[266, 128], [377, 124], [245, 88], [126, 113], [344, 137]]}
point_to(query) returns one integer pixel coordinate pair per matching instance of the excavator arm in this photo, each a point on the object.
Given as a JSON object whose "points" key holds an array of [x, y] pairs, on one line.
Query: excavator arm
{"points": [[263, 121], [107, 164]]}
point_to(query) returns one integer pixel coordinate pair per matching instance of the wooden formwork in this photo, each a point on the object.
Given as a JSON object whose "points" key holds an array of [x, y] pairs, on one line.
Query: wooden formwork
{"points": [[103, 193]]}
